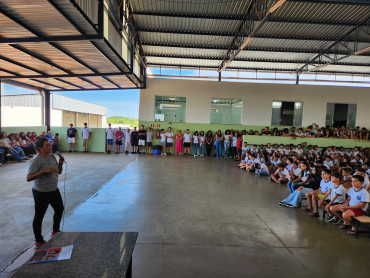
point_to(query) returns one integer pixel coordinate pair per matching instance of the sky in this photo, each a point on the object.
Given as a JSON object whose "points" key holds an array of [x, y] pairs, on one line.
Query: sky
{"points": [[123, 103]]}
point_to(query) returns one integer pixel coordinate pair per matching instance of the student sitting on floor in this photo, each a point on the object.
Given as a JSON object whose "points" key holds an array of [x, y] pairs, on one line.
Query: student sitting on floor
{"points": [[314, 195], [336, 195], [295, 171], [355, 205], [253, 163], [279, 175], [275, 160], [263, 170], [328, 163]]}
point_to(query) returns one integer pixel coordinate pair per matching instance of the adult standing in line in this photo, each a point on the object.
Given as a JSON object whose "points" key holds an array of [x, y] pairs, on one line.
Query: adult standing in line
{"points": [[134, 140], [119, 138], [43, 169], [218, 144], [72, 135], [209, 139], [110, 135], [128, 141], [142, 137], [149, 139], [169, 138], [86, 133]]}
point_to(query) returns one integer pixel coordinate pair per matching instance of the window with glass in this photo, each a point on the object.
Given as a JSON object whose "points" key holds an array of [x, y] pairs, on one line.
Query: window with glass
{"points": [[226, 111], [287, 113], [340, 114], [170, 109]]}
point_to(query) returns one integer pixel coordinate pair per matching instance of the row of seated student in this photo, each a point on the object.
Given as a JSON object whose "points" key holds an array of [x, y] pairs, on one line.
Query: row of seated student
{"points": [[21, 146], [342, 190], [315, 132]]}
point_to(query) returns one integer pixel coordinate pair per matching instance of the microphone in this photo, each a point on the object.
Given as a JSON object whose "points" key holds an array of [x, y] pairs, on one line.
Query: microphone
{"points": [[60, 156]]}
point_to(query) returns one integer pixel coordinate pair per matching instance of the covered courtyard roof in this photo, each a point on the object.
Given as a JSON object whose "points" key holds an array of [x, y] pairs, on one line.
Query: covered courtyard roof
{"points": [[57, 45], [298, 36]]}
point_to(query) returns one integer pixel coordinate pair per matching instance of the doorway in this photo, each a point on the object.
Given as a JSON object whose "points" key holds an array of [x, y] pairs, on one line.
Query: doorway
{"points": [[341, 114]]}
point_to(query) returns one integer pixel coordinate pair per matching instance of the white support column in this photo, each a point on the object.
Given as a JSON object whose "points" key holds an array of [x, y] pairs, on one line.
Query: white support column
{"points": [[42, 107], [76, 119], [88, 122]]}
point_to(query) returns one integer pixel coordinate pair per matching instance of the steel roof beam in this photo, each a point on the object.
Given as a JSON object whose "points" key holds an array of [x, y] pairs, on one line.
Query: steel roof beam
{"points": [[100, 30], [250, 60], [334, 49], [51, 63], [249, 49], [336, 2], [20, 84], [293, 71], [259, 36], [241, 18], [17, 76], [50, 39], [19, 22]]}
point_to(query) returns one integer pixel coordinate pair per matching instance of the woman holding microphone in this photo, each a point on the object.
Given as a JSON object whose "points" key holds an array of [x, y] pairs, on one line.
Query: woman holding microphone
{"points": [[43, 169]]}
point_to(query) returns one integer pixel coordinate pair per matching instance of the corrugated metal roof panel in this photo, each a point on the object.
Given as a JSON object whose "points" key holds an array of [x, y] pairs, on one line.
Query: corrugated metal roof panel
{"points": [[265, 65], [340, 68], [182, 61], [206, 7], [284, 29], [311, 11], [265, 43], [46, 20], [182, 51], [189, 24], [182, 39]]}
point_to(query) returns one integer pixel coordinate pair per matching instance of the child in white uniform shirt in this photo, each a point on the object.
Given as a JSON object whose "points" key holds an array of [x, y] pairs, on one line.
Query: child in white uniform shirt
{"points": [[163, 141]]}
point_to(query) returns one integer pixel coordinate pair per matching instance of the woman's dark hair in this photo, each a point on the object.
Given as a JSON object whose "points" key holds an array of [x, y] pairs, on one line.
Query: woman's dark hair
{"points": [[209, 133], [10, 135], [40, 143], [22, 135], [227, 132], [219, 133], [201, 133], [196, 133]]}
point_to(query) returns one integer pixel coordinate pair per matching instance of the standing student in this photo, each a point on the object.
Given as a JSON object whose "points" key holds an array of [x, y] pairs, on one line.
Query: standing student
{"points": [[239, 147], [127, 141], [134, 140], [218, 143], [202, 140], [110, 134], [142, 137], [234, 144], [72, 135], [149, 139], [227, 138], [195, 140], [119, 138], [86, 137], [187, 142], [179, 139], [169, 142], [163, 141], [43, 169], [209, 140]]}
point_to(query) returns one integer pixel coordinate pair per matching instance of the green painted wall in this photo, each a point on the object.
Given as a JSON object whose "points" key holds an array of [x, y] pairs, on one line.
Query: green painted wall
{"points": [[321, 142], [96, 142]]}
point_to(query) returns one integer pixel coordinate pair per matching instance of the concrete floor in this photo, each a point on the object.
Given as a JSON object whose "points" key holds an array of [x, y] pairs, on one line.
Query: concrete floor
{"points": [[196, 217]]}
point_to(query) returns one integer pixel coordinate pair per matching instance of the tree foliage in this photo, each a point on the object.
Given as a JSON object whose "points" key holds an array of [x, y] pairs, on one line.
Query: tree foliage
{"points": [[123, 120]]}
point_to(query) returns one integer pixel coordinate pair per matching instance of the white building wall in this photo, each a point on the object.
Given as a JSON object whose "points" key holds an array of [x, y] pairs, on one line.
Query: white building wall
{"points": [[20, 116], [56, 117], [257, 99]]}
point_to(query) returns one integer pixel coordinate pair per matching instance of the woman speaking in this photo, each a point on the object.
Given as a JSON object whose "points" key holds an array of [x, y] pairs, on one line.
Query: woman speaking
{"points": [[43, 169]]}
